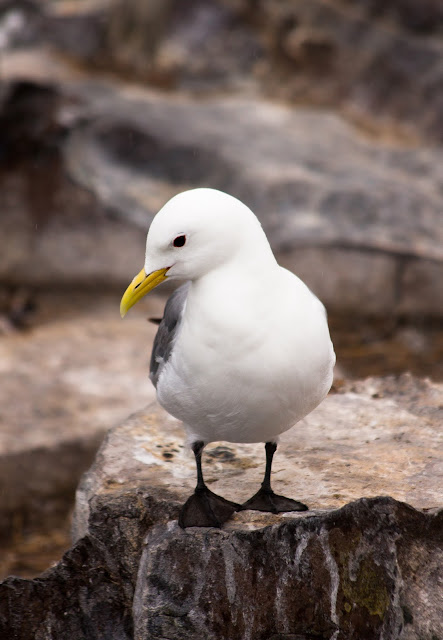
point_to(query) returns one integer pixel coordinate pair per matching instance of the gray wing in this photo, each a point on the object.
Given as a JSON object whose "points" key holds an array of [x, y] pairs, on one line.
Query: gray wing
{"points": [[167, 330]]}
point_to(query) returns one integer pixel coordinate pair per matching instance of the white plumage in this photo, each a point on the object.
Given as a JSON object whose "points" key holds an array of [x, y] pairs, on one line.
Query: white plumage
{"points": [[245, 350]]}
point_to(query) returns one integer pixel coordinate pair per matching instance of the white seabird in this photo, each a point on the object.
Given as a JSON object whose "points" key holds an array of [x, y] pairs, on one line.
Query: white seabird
{"points": [[243, 351]]}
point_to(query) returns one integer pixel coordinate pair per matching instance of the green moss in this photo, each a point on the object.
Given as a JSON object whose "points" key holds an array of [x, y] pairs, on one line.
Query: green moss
{"points": [[369, 589]]}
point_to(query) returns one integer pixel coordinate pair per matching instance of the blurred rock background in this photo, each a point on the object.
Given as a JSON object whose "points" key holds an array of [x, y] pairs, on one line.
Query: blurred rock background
{"points": [[326, 118]]}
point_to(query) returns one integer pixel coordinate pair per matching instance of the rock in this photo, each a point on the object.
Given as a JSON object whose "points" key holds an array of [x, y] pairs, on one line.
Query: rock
{"points": [[54, 232], [356, 558], [170, 47], [425, 17], [366, 433], [338, 210], [21, 23], [362, 57], [369, 569], [156, 42], [359, 59], [357, 220], [86, 167], [335, 575], [63, 382], [16, 309]]}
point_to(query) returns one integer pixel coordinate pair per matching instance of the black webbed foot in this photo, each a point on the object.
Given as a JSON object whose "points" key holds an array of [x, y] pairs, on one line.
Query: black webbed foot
{"points": [[267, 500], [206, 509]]}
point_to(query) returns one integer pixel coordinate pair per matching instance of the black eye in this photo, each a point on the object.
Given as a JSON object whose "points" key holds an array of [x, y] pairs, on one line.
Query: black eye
{"points": [[179, 241]]}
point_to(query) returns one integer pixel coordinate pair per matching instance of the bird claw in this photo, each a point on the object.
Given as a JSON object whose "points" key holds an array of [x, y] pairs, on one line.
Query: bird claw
{"points": [[267, 500], [206, 509]]}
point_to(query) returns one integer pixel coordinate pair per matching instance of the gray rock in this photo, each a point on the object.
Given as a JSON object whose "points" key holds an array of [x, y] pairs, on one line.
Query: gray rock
{"points": [[54, 232], [369, 569], [362, 58], [351, 217], [63, 383], [344, 574], [21, 23], [172, 47], [359, 58], [366, 433], [359, 221]]}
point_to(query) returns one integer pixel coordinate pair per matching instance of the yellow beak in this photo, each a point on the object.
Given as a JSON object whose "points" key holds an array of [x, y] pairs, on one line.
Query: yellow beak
{"points": [[139, 287]]}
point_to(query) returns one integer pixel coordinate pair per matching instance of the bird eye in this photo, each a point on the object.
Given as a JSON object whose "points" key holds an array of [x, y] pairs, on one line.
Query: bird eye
{"points": [[179, 241]]}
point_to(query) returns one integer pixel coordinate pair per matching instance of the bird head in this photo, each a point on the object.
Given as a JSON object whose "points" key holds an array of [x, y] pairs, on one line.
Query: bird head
{"points": [[197, 231]]}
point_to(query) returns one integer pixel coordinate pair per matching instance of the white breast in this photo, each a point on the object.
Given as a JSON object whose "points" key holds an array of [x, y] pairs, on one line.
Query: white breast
{"points": [[248, 362]]}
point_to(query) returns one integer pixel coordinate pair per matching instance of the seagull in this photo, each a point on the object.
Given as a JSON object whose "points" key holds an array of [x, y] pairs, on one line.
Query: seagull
{"points": [[243, 350]]}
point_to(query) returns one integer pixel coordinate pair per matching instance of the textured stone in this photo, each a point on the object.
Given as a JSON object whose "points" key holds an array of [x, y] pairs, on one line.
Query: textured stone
{"points": [[423, 276], [357, 443], [356, 219], [54, 233], [369, 569], [361, 58], [172, 47], [335, 575], [63, 382], [340, 211]]}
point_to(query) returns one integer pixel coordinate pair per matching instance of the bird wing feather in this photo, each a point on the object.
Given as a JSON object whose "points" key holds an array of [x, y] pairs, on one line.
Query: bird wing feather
{"points": [[167, 331]]}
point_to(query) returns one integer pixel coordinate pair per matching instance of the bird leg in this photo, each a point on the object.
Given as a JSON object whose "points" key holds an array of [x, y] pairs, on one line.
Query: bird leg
{"points": [[204, 508], [265, 499]]}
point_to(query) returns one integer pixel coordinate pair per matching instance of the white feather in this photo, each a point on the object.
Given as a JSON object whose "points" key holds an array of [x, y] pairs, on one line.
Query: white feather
{"points": [[252, 355]]}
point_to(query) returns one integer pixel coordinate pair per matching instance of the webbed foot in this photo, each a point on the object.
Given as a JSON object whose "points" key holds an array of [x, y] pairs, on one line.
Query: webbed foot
{"points": [[267, 500], [206, 509]]}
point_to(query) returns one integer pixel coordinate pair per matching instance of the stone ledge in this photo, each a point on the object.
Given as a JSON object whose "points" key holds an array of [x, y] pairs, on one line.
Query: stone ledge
{"points": [[357, 443], [358, 220], [369, 569], [364, 571], [71, 387]]}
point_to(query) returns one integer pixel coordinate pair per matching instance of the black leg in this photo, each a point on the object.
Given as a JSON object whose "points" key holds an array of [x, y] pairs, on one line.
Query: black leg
{"points": [[265, 499], [204, 508], [270, 448], [197, 448]]}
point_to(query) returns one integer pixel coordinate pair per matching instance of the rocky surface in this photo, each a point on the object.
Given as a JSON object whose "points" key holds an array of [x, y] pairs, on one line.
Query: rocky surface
{"points": [[364, 57], [78, 370], [70, 379], [380, 63], [354, 208], [84, 165], [345, 574], [369, 569], [358, 221], [206, 47], [366, 433]]}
